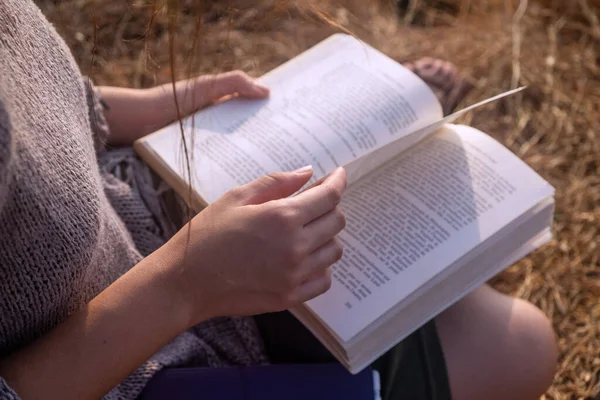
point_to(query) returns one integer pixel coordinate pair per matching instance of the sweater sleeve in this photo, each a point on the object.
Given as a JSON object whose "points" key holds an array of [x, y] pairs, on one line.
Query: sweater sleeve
{"points": [[7, 393], [6, 151], [6, 157], [98, 124]]}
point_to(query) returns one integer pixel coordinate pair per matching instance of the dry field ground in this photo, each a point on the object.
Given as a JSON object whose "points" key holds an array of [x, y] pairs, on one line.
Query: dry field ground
{"points": [[551, 46]]}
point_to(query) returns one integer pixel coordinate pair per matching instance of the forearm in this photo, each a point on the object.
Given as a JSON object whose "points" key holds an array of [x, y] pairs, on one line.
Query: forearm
{"points": [[131, 114], [134, 113], [97, 347]]}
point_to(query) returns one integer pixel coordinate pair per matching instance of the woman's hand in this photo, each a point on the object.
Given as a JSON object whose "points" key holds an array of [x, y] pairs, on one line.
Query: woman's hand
{"points": [[134, 113], [257, 250]]}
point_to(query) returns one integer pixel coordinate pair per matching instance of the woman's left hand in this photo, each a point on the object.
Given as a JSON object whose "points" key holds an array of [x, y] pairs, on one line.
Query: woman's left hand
{"points": [[134, 113], [208, 89]]}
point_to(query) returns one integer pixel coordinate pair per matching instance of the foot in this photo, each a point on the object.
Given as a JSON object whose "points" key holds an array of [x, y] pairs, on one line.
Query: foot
{"points": [[443, 79]]}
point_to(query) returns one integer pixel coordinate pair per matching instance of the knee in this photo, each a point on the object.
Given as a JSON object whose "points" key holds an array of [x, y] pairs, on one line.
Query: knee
{"points": [[533, 349], [497, 347]]}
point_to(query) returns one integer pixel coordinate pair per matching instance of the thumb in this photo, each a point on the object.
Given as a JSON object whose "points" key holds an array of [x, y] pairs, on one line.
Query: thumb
{"points": [[216, 87], [275, 186]]}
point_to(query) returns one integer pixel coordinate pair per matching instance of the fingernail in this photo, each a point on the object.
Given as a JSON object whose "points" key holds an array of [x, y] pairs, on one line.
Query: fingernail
{"points": [[261, 87], [304, 170]]}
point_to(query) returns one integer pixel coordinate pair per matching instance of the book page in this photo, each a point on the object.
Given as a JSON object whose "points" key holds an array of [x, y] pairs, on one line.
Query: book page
{"points": [[417, 215], [369, 162], [330, 107]]}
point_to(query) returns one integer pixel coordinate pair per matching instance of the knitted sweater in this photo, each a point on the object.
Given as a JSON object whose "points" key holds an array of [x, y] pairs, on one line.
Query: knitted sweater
{"points": [[73, 215]]}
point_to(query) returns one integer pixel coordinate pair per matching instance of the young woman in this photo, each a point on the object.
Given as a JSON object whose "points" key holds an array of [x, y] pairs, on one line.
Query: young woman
{"points": [[93, 301]]}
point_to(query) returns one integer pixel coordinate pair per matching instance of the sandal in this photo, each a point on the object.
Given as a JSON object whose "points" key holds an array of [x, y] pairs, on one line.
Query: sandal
{"points": [[443, 78]]}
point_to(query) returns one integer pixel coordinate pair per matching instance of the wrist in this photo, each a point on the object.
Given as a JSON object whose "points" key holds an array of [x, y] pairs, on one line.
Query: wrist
{"points": [[181, 294], [189, 98], [166, 283]]}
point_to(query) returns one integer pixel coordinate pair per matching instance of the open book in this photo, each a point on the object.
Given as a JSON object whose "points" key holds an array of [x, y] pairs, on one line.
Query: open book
{"points": [[433, 209]]}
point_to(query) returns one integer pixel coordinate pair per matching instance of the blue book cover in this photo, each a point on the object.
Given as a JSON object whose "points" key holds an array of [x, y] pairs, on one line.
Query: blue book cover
{"points": [[269, 382]]}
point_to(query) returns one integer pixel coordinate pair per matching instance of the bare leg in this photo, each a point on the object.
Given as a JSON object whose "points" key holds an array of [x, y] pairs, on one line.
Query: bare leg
{"points": [[497, 347]]}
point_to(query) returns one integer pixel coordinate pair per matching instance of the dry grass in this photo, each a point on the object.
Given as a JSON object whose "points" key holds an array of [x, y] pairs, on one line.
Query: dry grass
{"points": [[551, 46]]}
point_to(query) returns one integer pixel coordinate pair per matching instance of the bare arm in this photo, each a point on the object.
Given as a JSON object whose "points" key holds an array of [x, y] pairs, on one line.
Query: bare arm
{"points": [[260, 251], [101, 344], [134, 113]]}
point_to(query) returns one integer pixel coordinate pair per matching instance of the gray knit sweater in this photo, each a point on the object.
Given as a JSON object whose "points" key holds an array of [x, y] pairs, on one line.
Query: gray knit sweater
{"points": [[74, 216]]}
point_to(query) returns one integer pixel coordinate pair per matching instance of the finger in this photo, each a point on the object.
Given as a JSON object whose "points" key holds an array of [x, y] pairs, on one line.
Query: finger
{"points": [[273, 186], [321, 199], [312, 288], [321, 259], [215, 87], [324, 228]]}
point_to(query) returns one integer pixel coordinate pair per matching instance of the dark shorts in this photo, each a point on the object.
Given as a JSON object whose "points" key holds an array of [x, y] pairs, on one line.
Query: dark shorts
{"points": [[414, 369]]}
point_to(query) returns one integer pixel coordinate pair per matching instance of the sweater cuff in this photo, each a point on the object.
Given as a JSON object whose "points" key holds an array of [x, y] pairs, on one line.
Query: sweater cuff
{"points": [[7, 393]]}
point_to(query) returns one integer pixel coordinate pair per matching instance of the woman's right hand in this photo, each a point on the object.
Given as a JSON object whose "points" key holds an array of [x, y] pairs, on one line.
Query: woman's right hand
{"points": [[256, 250]]}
